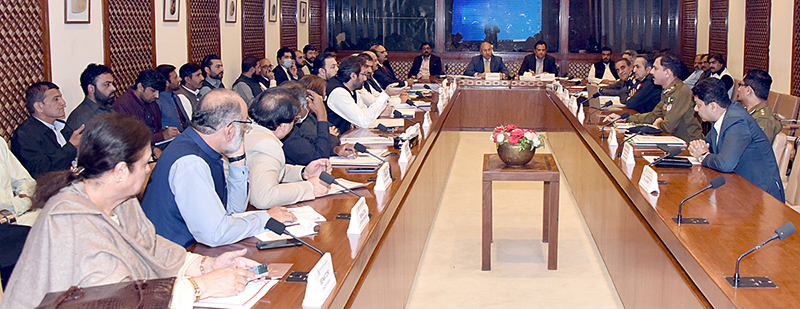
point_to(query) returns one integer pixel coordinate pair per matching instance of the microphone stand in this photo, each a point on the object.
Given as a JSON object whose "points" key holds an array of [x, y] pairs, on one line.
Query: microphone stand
{"points": [[597, 110], [619, 152]]}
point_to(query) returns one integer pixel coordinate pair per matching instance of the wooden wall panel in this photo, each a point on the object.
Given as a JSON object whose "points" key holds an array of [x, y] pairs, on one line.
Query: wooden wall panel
{"points": [[289, 24], [316, 18], [203, 29], [129, 39], [689, 31], [718, 28], [253, 34], [756, 34], [25, 57], [796, 50]]}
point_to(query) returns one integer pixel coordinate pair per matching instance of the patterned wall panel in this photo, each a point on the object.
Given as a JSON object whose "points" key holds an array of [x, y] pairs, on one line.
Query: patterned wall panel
{"points": [[315, 19], [203, 29], [689, 31], [130, 39], [24, 57], [756, 34], [253, 28], [289, 24], [796, 50], [718, 28]]}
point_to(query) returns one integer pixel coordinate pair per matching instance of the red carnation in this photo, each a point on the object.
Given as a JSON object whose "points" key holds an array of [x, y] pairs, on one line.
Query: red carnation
{"points": [[513, 140], [511, 127]]}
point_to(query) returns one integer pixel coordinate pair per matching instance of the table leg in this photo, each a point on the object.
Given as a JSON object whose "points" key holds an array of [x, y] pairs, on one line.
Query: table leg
{"points": [[546, 214], [486, 242], [552, 250]]}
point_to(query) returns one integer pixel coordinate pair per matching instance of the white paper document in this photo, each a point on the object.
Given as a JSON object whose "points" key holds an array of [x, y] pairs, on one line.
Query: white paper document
{"points": [[252, 293], [305, 213], [648, 140], [388, 122], [347, 183], [369, 141], [363, 159]]}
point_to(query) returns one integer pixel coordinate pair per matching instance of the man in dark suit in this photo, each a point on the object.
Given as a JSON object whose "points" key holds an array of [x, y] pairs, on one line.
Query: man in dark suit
{"points": [[477, 66], [40, 143], [539, 62], [384, 73], [427, 64], [285, 70], [735, 143]]}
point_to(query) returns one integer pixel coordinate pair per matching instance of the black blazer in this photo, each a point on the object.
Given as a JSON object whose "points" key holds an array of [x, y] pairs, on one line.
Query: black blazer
{"points": [[385, 75], [36, 147], [744, 149], [647, 96], [280, 75], [435, 66], [476, 65], [529, 64]]}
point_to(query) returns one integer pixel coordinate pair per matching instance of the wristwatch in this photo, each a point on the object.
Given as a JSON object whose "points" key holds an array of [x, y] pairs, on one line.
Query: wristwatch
{"points": [[197, 291], [237, 159], [7, 217]]}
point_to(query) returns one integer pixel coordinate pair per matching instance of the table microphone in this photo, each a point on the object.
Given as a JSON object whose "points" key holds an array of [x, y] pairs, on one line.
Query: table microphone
{"points": [[621, 117], [329, 179], [716, 183], [363, 149], [672, 152], [597, 110], [782, 232], [384, 129], [619, 152], [426, 86], [398, 114], [409, 102], [279, 228]]}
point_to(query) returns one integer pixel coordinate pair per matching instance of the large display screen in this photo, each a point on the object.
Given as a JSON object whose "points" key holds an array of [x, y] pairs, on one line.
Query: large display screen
{"points": [[508, 19]]}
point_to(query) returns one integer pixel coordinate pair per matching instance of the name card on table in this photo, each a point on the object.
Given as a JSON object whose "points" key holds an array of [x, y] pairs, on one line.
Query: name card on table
{"points": [[612, 137], [359, 217], [321, 281], [405, 152], [581, 114], [649, 180], [426, 120], [493, 76], [383, 180], [627, 154]]}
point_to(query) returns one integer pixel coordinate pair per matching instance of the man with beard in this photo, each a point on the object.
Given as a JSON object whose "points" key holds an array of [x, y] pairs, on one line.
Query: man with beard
{"points": [[191, 81], [623, 86], [539, 62], [427, 64], [311, 57], [172, 112], [698, 71], [246, 85], [213, 71], [603, 72], [97, 83], [302, 64], [188, 197], [140, 102], [326, 66], [717, 69]]}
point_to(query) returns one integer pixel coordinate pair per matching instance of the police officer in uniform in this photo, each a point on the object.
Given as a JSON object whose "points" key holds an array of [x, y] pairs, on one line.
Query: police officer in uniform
{"points": [[753, 92], [675, 112]]}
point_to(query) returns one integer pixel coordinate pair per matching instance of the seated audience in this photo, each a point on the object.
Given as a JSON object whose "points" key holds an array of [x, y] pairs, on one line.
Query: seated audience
{"points": [[717, 69], [213, 72], [264, 75], [630, 55], [246, 86], [191, 81], [603, 71], [622, 87], [644, 94], [140, 102], [427, 64], [735, 142], [345, 107], [486, 62], [16, 188], [698, 71], [172, 112], [274, 182], [371, 88], [311, 54], [311, 137], [539, 62], [674, 113], [189, 198], [384, 73], [753, 93], [284, 71], [41, 142], [705, 66], [97, 83], [331, 50], [302, 63], [326, 66], [91, 230]]}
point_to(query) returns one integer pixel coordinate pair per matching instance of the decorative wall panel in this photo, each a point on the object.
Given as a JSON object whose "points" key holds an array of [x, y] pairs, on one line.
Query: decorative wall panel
{"points": [[689, 32], [718, 28], [253, 28], [203, 29], [130, 39], [289, 24], [315, 19], [24, 57], [756, 34], [796, 50]]}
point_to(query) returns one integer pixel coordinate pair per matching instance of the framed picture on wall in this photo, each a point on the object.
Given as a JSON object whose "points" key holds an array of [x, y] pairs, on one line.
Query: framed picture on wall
{"points": [[272, 10], [77, 11], [172, 10], [303, 12], [230, 11]]}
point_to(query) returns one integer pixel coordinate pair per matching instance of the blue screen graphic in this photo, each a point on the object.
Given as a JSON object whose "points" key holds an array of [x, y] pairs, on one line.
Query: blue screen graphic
{"points": [[515, 19]]}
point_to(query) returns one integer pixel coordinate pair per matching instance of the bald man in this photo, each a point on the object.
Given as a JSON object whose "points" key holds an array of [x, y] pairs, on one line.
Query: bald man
{"points": [[478, 65]]}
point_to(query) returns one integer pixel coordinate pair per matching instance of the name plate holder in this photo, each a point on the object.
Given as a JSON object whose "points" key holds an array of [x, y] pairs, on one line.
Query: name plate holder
{"points": [[405, 152], [321, 281], [383, 179], [649, 181], [627, 155], [359, 217], [493, 76]]}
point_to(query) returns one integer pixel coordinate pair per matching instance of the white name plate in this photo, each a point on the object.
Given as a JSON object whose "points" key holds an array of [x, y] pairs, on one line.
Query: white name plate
{"points": [[383, 180], [649, 180], [493, 76], [627, 154], [405, 153], [359, 217], [321, 282]]}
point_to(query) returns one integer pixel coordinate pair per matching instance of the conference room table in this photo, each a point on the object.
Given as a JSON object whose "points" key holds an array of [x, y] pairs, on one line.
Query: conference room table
{"points": [[653, 262]]}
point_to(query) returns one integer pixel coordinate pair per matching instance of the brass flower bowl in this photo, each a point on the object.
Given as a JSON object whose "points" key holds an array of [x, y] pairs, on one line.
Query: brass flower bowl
{"points": [[515, 155]]}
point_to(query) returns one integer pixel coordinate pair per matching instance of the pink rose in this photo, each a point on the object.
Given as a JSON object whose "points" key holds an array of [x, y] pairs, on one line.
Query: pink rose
{"points": [[510, 127]]}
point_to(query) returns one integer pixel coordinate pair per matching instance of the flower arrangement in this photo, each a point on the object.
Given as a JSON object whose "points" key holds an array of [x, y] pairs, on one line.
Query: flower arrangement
{"points": [[513, 135]]}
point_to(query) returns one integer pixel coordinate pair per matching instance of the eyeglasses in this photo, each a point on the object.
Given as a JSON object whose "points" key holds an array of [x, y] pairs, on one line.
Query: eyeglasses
{"points": [[248, 123]]}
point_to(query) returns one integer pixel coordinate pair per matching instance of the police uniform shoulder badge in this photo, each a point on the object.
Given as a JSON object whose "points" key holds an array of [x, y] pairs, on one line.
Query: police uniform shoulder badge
{"points": [[670, 102]]}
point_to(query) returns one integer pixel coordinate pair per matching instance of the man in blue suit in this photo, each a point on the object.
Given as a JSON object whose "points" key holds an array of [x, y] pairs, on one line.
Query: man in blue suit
{"points": [[735, 143], [477, 66]]}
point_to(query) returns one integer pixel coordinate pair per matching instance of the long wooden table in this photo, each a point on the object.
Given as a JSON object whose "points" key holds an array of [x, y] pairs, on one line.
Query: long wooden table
{"points": [[652, 262]]}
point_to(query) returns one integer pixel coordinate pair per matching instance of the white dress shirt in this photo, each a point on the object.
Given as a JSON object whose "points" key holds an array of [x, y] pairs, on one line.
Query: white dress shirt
{"points": [[606, 74], [15, 180], [358, 113]]}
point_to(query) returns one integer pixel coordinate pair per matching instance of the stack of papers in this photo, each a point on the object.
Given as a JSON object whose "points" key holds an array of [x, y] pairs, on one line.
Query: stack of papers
{"points": [[389, 123], [646, 140], [252, 293], [407, 112], [369, 141], [347, 183], [306, 213], [362, 159]]}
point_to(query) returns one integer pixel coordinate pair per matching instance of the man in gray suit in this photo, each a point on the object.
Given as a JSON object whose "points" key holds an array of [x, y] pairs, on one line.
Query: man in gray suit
{"points": [[477, 66]]}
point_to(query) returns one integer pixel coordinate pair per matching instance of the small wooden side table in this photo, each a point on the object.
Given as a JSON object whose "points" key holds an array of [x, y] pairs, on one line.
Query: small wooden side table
{"points": [[541, 168]]}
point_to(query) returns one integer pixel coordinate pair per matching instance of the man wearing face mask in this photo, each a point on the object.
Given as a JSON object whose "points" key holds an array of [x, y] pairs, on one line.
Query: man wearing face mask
{"points": [[273, 182], [97, 83], [283, 71], [326, 66]]}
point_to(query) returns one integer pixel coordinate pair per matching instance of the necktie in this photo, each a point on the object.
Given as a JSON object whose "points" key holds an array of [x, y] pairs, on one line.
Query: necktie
{"points": [[486, 68]]}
